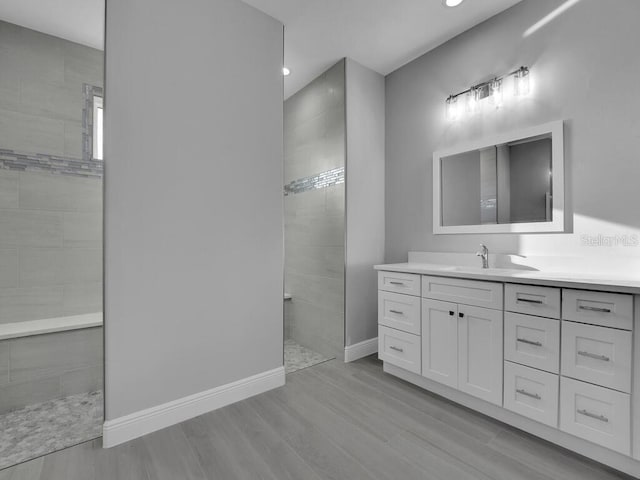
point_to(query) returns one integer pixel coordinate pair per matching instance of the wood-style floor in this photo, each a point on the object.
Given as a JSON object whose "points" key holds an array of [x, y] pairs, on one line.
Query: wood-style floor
{"points": [[331, 421]]}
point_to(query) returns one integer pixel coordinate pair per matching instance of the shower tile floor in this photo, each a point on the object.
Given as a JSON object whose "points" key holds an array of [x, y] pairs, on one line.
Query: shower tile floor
{"points": [[46, 427], [297, 357]]}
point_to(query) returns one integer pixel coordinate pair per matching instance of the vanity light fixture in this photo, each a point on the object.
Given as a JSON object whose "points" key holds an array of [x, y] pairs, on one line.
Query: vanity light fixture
{"points": [[493, 89], [286, 72], [451, 3]]}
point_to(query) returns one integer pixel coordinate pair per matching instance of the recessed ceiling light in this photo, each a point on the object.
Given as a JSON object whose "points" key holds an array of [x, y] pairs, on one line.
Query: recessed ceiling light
{"points": [[285, 71], [451, 3]]}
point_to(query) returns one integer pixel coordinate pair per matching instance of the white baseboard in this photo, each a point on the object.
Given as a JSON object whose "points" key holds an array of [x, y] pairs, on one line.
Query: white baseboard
{"points": [[123, 429], [360, 350]]}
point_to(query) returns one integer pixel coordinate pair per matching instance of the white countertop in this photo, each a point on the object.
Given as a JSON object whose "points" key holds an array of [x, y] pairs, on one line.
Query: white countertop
{"points": [[607, 283]]}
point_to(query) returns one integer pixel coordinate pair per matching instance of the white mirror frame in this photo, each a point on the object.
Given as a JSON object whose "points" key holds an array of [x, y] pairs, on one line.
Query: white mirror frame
{"points": [[556, 129]]}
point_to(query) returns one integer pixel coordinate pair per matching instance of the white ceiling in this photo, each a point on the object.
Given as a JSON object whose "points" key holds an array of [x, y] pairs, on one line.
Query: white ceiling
{"points": [[80, 21], [380, 34]]}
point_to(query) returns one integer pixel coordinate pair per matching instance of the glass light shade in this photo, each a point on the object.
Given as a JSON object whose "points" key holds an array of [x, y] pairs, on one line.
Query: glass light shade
{"points": [[452, 108], [496, 93], [521, 82], [473, 101]]}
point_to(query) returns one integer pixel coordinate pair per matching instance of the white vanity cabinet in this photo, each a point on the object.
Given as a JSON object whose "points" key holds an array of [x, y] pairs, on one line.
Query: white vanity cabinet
{"points": [[553, 359], [462, 339]]}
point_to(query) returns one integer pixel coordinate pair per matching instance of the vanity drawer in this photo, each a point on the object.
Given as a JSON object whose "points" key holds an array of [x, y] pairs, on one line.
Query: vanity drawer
{"points": [[399, 348], [597, 355], [398, 311], [468, 292], [598, 308], [532, 300], [532, 341], [596, 414], [531, 393], [406, 283]]}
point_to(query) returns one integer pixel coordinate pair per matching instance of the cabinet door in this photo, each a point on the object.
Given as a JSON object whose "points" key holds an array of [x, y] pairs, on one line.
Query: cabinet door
{"points": [[480, 352], [440, 341]]}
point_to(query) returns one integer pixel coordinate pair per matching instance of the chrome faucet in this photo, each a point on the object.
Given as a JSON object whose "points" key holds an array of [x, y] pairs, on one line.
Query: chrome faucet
{"points": [[484, 254]]}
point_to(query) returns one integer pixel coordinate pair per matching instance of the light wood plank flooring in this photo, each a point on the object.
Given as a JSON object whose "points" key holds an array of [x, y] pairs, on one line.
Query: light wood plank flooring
{"points": [[331, 421]]}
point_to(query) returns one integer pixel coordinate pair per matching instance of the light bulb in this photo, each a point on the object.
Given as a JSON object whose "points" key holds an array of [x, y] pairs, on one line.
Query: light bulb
{"points": [[521, 82], [452, 3], [286, 72]]}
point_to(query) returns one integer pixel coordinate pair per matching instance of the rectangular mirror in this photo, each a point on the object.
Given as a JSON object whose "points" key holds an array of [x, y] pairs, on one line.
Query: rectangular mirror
{"points": [[508, 183]]}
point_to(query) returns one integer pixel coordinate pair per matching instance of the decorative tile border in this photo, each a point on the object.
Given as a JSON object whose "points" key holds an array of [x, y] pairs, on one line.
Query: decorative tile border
{"points": [[320, 180], [78, 167]]}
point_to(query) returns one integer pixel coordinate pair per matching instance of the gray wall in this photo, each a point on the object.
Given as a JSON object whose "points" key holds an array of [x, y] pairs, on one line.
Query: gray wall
{"points": [[314, 142], [584, 66], [50, 224], [365, 199], [193, 198]]}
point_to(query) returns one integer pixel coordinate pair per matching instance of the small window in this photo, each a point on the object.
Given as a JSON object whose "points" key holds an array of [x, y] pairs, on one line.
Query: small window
{"points": [[97, 127]]}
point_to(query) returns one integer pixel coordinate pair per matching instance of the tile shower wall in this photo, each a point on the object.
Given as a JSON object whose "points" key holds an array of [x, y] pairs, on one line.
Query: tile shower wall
{"points": [[50, 215], [44, 367], [314, 135], [50, 223]]}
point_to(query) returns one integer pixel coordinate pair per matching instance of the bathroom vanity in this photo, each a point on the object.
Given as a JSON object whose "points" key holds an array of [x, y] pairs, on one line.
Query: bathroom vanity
{"points": [[554, 355]]}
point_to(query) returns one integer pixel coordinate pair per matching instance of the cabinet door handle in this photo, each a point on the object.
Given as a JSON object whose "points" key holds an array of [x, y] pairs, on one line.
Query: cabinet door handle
{"points": [[451, 312], [461, 315], [604, 358], [587, 413], [397, 283], [594, 309], [397, 349], [529, 300], [528, 394], [397, 312], [528, 342]]}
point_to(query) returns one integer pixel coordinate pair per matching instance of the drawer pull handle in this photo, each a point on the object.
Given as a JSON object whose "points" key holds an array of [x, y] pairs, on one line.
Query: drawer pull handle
{"points": [[529, 300], [397, 312], [587, 413], [604, 358], [397, 349], [528, 342], [594, 309], [528, 394], [397, 283]]}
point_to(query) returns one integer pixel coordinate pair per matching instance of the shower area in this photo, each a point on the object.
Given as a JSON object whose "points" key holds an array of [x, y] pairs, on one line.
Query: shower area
{"points": [[314, 205], [51, 166]]}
